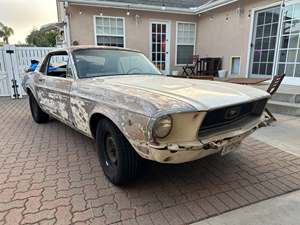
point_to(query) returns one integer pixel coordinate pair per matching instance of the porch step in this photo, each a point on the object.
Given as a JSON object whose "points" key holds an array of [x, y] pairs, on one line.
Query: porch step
{"points": [[286, 108], [286, 97]]}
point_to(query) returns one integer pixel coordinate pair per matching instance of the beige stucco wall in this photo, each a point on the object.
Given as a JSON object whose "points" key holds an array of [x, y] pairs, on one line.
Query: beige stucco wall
{"points": [[137, 34], [220, 38]]}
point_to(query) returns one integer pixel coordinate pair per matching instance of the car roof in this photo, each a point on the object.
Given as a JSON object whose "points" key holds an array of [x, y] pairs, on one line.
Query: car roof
{"points": [[80, 47]]}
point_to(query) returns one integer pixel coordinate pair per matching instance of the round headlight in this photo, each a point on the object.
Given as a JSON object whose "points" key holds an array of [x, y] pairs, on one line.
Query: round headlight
{"points": [[162, 127]]}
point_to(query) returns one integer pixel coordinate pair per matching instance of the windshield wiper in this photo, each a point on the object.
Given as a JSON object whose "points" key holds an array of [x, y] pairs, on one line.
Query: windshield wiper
{"points": [[143, 74]]}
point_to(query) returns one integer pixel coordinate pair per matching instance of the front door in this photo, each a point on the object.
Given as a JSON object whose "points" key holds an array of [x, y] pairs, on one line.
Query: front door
{"points": [[54, 85], [160, 44]]}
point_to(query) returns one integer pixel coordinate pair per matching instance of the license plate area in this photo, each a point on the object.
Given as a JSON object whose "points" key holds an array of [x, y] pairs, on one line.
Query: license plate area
{"points": [[230, 148]]}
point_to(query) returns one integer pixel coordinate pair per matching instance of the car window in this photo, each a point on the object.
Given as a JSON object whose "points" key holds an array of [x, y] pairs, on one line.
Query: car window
{"points": [[110, 62], [57, 65]]}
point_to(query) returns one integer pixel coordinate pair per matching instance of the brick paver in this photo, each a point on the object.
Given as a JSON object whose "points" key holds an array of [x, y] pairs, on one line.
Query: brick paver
{"points": [[50, 174]]}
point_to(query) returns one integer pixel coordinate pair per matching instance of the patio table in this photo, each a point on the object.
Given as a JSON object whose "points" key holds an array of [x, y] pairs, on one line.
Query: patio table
{"points": [[246, 81]]}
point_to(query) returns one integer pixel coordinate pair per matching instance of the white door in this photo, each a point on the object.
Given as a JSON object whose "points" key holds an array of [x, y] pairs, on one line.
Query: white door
{"points": [[160, 45], [263, 45], [275, 47], [288, 60]]}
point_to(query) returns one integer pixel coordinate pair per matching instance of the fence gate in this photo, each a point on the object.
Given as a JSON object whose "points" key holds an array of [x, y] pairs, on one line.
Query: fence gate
{"points": [[4, 84], [13, 61]]}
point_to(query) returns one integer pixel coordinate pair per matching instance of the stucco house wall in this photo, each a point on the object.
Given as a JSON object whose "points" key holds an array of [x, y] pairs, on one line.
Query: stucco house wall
{"points": [[137, 35], [225, 32]]}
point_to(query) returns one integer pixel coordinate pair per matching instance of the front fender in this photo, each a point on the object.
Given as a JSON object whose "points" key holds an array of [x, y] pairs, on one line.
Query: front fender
{"points": [[27, 84], [132, 125]]}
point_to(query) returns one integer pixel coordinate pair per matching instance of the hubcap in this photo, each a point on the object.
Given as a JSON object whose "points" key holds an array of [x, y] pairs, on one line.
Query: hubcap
{"points": [[111, 150]]}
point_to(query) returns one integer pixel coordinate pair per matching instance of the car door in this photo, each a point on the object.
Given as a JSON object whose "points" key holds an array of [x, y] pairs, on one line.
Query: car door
{"points": [[55, 85]]}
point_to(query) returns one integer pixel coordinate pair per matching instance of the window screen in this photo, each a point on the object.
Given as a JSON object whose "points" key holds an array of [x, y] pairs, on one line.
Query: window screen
{"points": [[186, 33], [110, 31]]}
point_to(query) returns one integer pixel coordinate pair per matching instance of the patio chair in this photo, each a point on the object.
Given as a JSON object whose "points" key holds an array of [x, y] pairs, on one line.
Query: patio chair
{"points": [[191, 67], [272, 90]]}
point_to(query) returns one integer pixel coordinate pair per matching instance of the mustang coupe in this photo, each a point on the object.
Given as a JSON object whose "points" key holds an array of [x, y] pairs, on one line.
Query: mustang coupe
{"points": [[119, 98]]}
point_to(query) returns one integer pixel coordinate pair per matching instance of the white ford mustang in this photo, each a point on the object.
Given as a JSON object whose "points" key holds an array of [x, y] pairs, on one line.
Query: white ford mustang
{"points": [[120, 99]]}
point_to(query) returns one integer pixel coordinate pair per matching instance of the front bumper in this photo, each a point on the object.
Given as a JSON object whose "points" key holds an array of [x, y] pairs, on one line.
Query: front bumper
{"points": [[175, 154], [186, 152]]}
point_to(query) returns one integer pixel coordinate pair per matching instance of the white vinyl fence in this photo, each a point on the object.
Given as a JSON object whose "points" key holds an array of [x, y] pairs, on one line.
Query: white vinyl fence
{"points": [[13, 61]]}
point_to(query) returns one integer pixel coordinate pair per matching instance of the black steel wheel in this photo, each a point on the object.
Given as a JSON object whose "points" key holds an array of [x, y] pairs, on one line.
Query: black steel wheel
{"points": [[120, 163], [37, 113]]}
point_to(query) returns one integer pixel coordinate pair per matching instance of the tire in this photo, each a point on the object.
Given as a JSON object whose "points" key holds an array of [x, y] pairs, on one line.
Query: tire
{"points": [[119, 161], [37, 113]]}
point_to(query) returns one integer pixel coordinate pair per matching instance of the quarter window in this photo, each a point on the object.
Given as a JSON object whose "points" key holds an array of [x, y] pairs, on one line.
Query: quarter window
{"points": [[185, 39], [109, 31], [57, 65]]}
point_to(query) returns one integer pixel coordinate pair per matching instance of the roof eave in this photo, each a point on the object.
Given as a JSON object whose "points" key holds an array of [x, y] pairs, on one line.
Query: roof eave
{"points": [[121, 5], [213, 5], [152, 8]]}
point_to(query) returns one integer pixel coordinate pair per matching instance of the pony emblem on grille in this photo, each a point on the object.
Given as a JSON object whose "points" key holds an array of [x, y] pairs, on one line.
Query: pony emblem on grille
{"points": [[232, 113]]}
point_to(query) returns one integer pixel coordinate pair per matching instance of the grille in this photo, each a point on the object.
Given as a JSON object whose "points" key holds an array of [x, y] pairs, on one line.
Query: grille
{"points": [[232, 116]]}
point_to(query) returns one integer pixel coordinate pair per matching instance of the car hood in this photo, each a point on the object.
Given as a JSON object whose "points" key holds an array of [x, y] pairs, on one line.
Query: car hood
{"points": [[202, 94], [168, 93]]}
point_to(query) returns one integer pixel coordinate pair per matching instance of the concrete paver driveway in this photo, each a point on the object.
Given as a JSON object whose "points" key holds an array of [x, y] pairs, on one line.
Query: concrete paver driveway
{"points": [[49, 174]]}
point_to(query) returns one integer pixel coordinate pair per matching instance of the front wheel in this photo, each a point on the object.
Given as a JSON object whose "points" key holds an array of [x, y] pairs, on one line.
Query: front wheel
{"points": [[120, 163], [37, 113]]}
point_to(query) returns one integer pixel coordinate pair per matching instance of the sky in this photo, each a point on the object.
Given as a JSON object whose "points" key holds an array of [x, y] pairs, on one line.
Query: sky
{"points": [[24, 15]]}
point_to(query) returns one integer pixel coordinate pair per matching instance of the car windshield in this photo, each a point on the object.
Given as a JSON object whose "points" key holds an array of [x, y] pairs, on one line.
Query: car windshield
{"points": [[109, 62]]}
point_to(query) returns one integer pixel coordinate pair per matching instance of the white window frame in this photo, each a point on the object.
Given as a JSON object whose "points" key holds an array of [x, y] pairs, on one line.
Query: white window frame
{"points": [[231, 60], [111, 35], [176, 40]]}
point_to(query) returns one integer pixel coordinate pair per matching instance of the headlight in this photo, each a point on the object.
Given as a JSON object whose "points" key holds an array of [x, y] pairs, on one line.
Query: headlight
{"points": [[162, 127]]}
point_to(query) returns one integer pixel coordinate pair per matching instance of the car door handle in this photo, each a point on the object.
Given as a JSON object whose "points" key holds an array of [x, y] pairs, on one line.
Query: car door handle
{"points": [[41, 79]]}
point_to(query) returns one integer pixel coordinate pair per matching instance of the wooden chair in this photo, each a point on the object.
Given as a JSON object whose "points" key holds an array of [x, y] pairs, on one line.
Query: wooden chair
{"points": [[191, 67], [275, 84]]}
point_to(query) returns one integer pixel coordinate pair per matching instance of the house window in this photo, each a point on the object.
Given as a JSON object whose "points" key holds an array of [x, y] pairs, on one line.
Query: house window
{"points": [[109, 31], [185, 39], [235, 65]]}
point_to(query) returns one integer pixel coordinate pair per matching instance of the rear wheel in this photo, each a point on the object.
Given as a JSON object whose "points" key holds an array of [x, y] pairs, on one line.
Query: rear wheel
{"points": [[120, 163], [37, 113]]}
